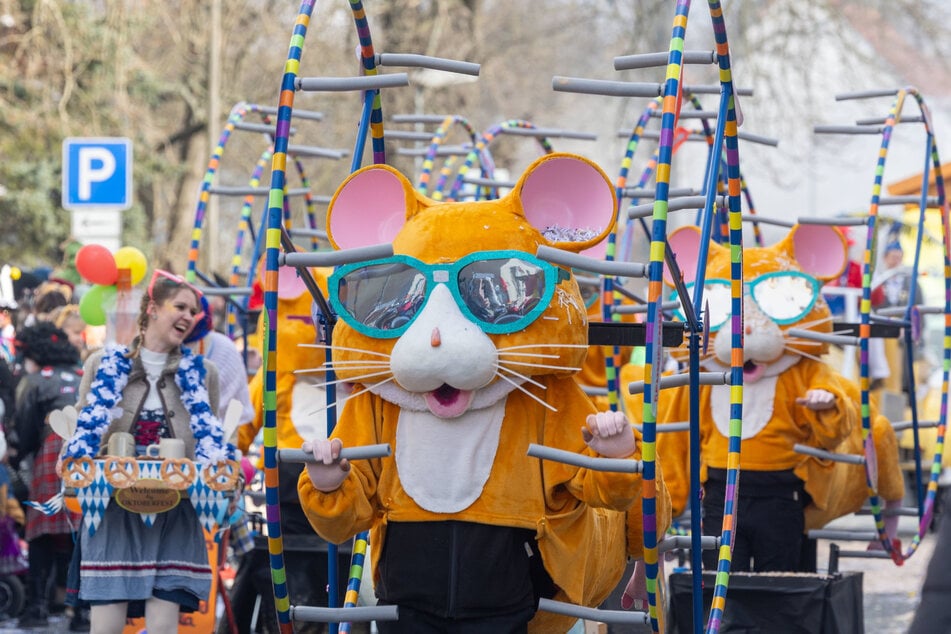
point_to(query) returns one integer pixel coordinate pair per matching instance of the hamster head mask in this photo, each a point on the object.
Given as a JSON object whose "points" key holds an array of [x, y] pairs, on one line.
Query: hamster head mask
{"points": [[464, 303]]}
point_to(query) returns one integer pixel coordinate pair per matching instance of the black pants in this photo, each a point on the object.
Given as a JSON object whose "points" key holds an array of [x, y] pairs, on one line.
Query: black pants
{"points": [[48, 557], [769, 531], [417, 622]]}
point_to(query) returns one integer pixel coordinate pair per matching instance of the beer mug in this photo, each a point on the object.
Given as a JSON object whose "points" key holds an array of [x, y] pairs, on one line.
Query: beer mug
{"points": [[167, 448], [121, 444]]}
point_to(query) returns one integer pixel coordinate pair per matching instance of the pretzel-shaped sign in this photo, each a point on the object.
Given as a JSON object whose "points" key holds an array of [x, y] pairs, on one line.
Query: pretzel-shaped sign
{"points": [[223, 476], [78, 472], [178, 473], [120, 471]]}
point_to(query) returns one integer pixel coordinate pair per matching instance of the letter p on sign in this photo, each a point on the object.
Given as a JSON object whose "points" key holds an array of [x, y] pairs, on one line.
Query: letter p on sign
{"points": [[97, 173]]}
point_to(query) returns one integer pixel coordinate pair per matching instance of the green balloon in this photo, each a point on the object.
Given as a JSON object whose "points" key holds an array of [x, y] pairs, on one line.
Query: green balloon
{"points": [[95, 303]]}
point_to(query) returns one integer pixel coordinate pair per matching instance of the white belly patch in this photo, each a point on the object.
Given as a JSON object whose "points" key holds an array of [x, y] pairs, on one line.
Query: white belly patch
{"points": [[444, 463], [757, 406]]}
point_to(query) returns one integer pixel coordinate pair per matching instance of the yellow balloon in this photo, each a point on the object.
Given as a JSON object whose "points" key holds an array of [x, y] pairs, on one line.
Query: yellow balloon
{"points": [[134, 260]]}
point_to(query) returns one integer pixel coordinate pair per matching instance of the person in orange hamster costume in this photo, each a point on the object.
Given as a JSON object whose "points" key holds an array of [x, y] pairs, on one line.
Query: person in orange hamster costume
{"points": [[472, 343], [789, 397]]}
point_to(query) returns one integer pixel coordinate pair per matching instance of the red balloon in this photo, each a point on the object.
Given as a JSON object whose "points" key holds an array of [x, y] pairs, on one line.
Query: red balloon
{"points": [[96, 264]]}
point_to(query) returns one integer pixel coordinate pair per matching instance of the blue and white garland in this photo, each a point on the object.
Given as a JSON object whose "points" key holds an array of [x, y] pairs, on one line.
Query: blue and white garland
{"points": [[106, 392]]}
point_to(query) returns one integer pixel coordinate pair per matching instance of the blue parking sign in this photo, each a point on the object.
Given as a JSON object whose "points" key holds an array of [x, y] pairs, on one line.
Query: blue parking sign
{"points": [[97, 173]]}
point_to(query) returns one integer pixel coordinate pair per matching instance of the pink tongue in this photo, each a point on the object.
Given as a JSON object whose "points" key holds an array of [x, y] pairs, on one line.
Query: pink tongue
{"points": [[448, 402], [754, 373]]}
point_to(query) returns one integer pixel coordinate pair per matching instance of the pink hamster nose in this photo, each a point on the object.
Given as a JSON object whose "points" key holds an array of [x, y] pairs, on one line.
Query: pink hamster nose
{"points": [[435, 340]]}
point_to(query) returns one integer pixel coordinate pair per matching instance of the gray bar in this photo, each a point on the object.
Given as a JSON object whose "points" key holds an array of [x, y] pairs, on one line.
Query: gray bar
{"points": [[336, 258], [842, 340], [300, 114], [676, 204], [359, 614], [908, 424], [662, 428], [408, 135], [627, 309], [548, 132], [442, 150], [410, 60], [904, 511], [264, 128], [881, 120], [688, 114], [682, 380], [592, 265], [367, 452], [317, 152], [307, 233], [226, 291], [488, 182], [699, 136], [931, 201], [767, 221], [652, 60], [614, 465], [633, 192], [716, 89], [619, 617], [845, 129], [605, 87], [867, 94], [858, 536], [683, 542], [344, 84], [419, 118], [847, 458], [253, 191]]}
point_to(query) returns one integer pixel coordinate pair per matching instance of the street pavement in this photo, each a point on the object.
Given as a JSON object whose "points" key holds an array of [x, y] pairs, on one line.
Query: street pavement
{"points": [[890, 593]]}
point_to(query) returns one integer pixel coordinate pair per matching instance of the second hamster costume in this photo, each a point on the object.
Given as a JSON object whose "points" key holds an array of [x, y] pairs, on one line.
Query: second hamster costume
{"points": [[464, 345], [789, 395]]}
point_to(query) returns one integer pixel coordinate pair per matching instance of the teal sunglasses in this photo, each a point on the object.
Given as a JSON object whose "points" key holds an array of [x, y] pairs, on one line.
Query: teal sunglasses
{"points": [[783, 296], [502, 291]]}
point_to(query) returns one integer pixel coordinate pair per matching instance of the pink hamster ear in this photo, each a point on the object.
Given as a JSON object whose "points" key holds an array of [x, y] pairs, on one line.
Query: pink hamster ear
{"points": [[569, 200], [685, 243], [370, 207], [820, 250]]}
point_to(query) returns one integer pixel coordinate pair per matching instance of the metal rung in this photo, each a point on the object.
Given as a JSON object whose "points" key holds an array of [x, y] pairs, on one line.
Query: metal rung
{"points": [[613, 617], [260, 127], [899, 311], [908, 424], [592, 265], [253, 191], [841, 340], [856, 536], [298, 114], [667, 428], [681, 380], [627, 309], [591, 390], [412, 60], [360, 614], [930, 201], [442, 150], [716, 89], [317, 152], [865, 554], [488, 182], [881, 120], [688, 114], [548, 132], [684, 542], [419, 118], [308, 233], [226, 291], [676, 204], [906, 511], [847, 458], [846, 129], [633, 192], [336, 258], [344, 84], [867, 94], [700, 136], [653, 60], [408, 135], [605, 87], [367, 452], [613, 465]]}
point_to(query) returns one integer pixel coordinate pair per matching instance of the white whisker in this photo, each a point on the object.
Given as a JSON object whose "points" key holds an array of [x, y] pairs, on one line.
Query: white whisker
{"points": [[528, 354], [542, 365], [814, 322], [544, 345], [520, 376], [356, 379], [330, 406], [523, 389], [804, 354], [324, 346], [348, 365], [800, 341]]}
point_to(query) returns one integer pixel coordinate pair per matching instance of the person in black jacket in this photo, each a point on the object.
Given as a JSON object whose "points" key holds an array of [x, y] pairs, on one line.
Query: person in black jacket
{"points": [[53, 385]]}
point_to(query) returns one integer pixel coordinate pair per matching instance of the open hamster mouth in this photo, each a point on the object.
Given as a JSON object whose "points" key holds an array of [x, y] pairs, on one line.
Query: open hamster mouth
{"points": [[753, 371], [448, 402]]}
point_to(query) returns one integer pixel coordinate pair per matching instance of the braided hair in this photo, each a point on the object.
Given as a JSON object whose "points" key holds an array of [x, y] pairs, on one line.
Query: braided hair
{"points": [[160, 291]]}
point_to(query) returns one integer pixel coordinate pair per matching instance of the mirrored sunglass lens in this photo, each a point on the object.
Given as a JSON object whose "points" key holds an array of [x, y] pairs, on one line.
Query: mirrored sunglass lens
{"points": [[718, 297], [501, 291], [784, 297], [382, 296]]}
